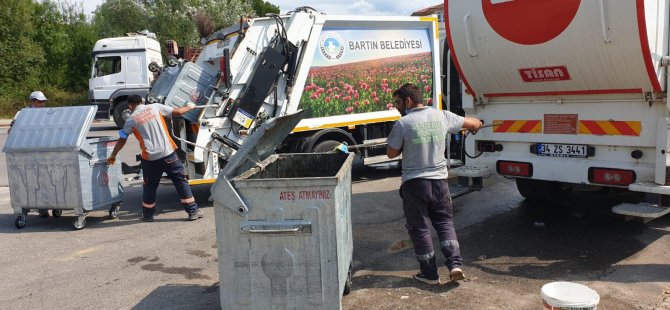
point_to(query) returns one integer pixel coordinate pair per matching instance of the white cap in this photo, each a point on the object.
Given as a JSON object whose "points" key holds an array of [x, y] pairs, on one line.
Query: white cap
{"points": [[38, 95]]}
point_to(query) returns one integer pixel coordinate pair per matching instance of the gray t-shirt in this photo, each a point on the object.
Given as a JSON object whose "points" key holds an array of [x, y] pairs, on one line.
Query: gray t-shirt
{"points": [[150, 129], [421, 136]]}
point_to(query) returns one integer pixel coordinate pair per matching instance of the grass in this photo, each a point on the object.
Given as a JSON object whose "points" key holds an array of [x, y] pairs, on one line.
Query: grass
{"points": [[9, 104]]}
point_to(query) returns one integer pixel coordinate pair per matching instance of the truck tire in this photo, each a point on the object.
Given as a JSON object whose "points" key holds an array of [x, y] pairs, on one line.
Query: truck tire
{"points": [[121, 113], [325, 146], [539, 189]]}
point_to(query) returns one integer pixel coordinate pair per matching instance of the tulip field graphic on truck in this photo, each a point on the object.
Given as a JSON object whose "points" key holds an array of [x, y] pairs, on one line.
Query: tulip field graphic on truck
{"points": [[357, 70]]}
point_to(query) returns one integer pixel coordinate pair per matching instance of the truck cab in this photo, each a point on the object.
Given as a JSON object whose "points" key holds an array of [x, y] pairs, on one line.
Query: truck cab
{"points": [[121, 68]]}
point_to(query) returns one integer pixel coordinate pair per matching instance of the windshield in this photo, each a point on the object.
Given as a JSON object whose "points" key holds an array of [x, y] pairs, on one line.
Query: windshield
{"points": [[106, 65]]}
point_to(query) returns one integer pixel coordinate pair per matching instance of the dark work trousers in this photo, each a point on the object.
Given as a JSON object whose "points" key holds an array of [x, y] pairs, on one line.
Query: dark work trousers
{"points": [[152, 171], [427, 202]]}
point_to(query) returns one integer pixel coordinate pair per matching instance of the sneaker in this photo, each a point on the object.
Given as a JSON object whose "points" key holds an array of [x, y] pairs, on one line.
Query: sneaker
{"points": [[147, 218], [44, 213], [423, 278], [456, 274], [195, 215]]}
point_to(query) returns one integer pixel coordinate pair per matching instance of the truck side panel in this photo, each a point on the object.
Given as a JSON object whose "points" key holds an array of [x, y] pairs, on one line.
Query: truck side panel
{"points": [[558, 47], [575, 90]]}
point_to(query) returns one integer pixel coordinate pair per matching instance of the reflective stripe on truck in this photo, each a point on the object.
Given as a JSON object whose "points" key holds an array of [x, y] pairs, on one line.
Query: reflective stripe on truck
{"points": [[610, 128], [586, 127], [518, 126]]}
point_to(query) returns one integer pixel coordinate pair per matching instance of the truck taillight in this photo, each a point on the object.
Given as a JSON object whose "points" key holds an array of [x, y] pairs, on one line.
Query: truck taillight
{"points": [[615, 177], [515, 168], [489, 146]]}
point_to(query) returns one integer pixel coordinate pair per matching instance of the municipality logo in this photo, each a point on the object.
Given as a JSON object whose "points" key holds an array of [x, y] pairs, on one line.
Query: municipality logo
{"points": [[331, 45]]}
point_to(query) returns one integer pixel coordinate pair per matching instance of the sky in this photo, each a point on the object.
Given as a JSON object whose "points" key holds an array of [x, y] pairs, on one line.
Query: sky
{"points": [[346, 7]]}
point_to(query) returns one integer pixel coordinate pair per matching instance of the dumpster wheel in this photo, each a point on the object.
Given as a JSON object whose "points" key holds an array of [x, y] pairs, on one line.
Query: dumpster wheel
{"points": [[348, 283], [56, 213], [114, 211], [20, 221], [80, 222]]}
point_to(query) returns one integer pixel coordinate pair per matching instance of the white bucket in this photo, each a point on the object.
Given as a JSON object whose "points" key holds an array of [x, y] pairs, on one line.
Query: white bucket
{"points": [[568, 296]]}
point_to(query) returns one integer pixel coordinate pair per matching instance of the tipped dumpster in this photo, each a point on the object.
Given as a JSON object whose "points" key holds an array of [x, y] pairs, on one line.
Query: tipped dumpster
{"points": [[51, 165], [283, 225]]}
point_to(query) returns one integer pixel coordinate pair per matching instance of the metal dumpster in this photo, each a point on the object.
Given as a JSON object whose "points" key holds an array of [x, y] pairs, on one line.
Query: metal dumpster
{"points": [[51, 165], [283, 225]]}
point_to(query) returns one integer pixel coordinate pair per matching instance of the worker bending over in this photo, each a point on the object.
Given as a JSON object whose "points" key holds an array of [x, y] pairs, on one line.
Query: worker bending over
{"points": [[158, 153]]}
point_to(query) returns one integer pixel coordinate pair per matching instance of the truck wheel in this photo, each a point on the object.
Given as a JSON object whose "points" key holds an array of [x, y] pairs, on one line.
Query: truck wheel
{"points": [[20, 221], [348, 283], [121, 113], [325, 146], [114, 211], [539, 189], [154, 67]]}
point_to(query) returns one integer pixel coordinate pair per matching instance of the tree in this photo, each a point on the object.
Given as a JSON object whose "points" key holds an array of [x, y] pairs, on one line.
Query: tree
{"points": [[50, 34], [82, 37], [67, 40], [21, 56], [225, 13], [172, 20], [263, 7], [115, 18]]}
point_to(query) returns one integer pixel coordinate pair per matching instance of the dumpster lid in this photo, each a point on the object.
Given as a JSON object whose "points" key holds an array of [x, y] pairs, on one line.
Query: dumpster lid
{"points": [[261, 144], [50, 129]]}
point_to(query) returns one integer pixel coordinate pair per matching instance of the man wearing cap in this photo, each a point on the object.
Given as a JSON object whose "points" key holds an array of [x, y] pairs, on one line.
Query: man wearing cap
{"points": [[37, 100], [158, 153]]}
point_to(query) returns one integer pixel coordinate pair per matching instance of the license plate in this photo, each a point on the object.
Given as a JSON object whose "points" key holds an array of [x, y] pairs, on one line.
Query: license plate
{"points": [[562, 150]]}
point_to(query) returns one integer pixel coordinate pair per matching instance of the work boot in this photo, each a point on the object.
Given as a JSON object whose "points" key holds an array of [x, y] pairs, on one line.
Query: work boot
{"points": [[428, 272], [44, 213], [195, 215], [148, 214], [427, 279], [456, 274]]}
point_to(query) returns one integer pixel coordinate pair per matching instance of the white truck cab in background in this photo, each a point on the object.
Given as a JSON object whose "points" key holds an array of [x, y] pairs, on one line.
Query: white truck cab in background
{"points": [[121, 68]]}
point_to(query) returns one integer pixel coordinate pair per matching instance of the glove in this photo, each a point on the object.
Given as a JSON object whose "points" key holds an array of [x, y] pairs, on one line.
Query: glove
{"points": [[111, 160], [191, 105]]}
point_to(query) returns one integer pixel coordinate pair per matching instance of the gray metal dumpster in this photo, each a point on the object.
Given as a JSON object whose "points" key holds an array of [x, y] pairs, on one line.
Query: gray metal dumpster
{"points": [[51, 165], [283, 225]]}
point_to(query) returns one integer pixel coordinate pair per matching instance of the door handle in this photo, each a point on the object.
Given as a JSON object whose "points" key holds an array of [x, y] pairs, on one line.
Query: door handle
{"points": [[274, 227], [121, 82]]}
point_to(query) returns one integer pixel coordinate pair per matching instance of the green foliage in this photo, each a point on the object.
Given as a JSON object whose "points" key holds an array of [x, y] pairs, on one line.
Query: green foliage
{"points": [[115, 18], [263, 7], [234, 9], [57, 98], [172, 20], [46, 44], [21, 55]]}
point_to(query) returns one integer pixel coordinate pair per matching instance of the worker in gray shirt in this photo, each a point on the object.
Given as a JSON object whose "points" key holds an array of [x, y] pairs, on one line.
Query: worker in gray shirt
{"points": [[420, 136], [159, 154]]}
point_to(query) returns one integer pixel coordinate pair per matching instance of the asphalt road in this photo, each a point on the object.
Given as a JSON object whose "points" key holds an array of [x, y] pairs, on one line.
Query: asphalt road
{"points": [[511, 248]]}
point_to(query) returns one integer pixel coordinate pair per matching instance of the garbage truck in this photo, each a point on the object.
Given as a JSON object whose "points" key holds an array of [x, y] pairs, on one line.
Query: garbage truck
{"points": [[341, 69], [576, 92]]}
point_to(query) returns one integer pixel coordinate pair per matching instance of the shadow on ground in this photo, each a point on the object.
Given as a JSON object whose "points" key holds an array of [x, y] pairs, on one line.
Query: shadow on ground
{"points": [[575, 239], [167, 201], [181, 296]]}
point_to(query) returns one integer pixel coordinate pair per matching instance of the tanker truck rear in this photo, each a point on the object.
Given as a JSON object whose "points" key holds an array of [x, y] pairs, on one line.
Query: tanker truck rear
{"points": [[576, 92]]}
